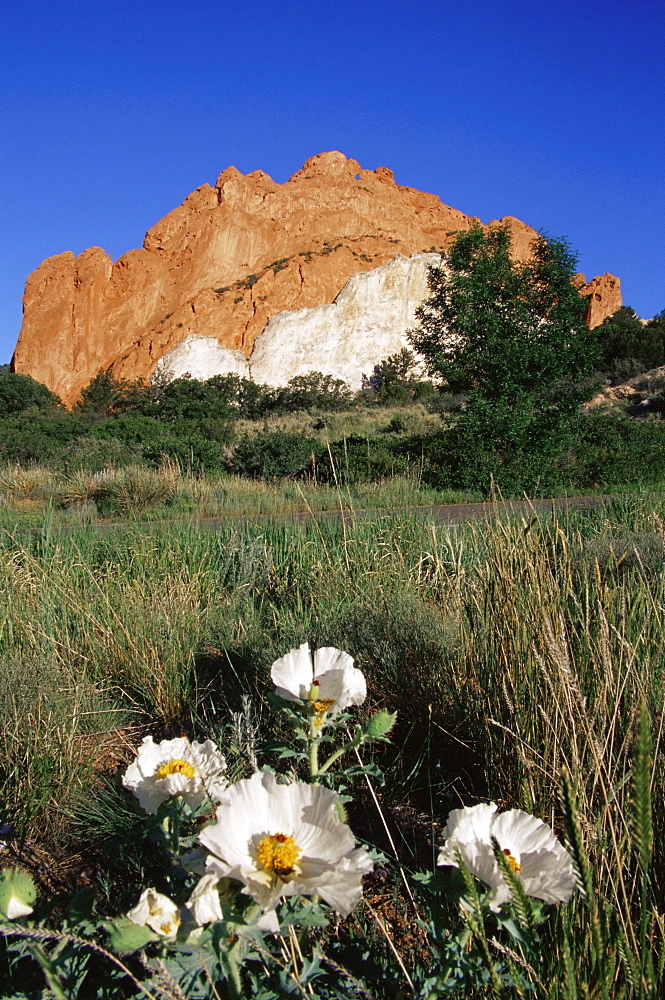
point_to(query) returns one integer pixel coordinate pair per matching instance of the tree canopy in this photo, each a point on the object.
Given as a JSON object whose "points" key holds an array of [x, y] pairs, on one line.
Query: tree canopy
{"points": [[512, 336], [20, 392], [630, 346]]}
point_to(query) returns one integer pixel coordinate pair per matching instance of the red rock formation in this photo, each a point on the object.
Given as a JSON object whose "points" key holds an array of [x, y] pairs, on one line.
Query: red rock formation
{"points": [[224, 262], [604, 298]]}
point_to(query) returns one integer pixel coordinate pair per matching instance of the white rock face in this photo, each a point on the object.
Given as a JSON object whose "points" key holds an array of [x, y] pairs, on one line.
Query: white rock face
{"points": [[202, 357], [365, 324]]}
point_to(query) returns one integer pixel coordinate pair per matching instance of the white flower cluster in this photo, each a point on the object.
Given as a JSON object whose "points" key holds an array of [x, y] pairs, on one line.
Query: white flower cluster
{"points": [[278, 840], [286, 839], [541, 864]]}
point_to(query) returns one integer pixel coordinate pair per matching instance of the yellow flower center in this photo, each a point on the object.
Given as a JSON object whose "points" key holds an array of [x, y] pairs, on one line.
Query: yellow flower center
{"points": [[322, 706], [279, 854], [513, 862], [176, 766]]}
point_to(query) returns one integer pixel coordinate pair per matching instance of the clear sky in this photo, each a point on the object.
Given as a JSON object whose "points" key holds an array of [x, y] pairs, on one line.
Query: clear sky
{"points": [[112, 112]]}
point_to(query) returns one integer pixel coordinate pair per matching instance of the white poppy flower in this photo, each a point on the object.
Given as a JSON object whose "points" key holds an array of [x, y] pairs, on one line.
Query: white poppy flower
{"points": [[541, 863], [204, 903], [157, 912], [328, 678], [175, 767], [285, 840]]}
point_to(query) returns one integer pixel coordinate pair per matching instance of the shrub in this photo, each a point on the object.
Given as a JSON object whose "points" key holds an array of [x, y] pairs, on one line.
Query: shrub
{"points": [[20, 392], [630, 346], [313, 391], [185, 443], [608, 450], [38, 435], [362, 459], [274, 455], [396, 380], [623, 552], [106, 395]]}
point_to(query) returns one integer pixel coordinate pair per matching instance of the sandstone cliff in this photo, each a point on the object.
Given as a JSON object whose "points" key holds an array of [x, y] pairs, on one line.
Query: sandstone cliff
{"points": [[227, 261]]}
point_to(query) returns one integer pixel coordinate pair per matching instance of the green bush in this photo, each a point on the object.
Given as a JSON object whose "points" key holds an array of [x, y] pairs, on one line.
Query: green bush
{"points": [[274, 455], [396, 380], [93, 454], [183, 442], [39, 435], [630, 346], [188, 398], [106, 395], [20, 392], [314, 391], [362, 459], [607, 450]]}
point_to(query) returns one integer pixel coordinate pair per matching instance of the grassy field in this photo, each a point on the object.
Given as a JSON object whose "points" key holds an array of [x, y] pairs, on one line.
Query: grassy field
{"points": [[167, 493], [512, 650]]}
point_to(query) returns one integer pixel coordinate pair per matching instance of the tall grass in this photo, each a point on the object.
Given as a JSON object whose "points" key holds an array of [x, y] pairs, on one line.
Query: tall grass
{"points": [[168, 493], [514, 650]]}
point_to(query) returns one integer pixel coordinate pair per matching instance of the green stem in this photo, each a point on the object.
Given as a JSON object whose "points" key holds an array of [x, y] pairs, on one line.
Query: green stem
{"points": [[313, 745], [234, 974], [50, 974], [355, 742]]}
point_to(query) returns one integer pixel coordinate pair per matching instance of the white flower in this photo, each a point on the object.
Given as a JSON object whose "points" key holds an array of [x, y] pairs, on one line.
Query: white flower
{"points": [[175, 767], [328, 679], [157, 912], [204, 903], [541, 863], [285, 840]]}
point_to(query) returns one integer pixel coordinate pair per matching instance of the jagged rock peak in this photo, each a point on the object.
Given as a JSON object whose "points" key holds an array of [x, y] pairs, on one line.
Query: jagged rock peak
{"points": [[226, 261]]}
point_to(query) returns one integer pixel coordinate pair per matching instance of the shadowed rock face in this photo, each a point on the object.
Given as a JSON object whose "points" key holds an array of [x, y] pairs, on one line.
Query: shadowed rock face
{"points": [[227, 261]]}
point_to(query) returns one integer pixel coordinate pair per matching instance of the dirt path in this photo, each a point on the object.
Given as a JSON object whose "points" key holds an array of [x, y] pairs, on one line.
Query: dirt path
{"points": [[438, 513]]}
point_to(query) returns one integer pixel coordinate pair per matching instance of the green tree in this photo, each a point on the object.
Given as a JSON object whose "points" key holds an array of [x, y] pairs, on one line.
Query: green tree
{"points": [[629, 346], [20, 392], [512, 336], [396, 379], [107, 396], [313, 391]]}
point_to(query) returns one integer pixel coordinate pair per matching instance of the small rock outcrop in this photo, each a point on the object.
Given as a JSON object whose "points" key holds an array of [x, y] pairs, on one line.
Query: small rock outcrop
{"points": [[227, 261]]}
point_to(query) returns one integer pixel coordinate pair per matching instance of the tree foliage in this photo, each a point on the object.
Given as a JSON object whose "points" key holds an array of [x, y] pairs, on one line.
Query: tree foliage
{"points": [[513, 337], [397, 380], [630, 346], [21, 392]]}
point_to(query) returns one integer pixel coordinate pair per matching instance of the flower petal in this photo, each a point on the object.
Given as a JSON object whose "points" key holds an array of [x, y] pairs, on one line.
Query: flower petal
{"points": [[545, 867], [293, 674], [328, 861]]}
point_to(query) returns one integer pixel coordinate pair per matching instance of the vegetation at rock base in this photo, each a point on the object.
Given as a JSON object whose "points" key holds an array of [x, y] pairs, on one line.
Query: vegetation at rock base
{"points": [[630, 346]]}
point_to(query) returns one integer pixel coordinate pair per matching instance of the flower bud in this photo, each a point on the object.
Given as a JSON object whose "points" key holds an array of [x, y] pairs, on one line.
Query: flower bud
{"points": [[380, 724], [17, 893]]}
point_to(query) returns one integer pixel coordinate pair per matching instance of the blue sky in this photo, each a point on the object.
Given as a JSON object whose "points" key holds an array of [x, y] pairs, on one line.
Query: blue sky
{"points": [[111, 113]]}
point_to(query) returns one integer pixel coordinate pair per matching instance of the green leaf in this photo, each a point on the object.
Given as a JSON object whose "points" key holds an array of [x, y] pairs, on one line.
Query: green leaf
{"points": [[126, 936]]}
